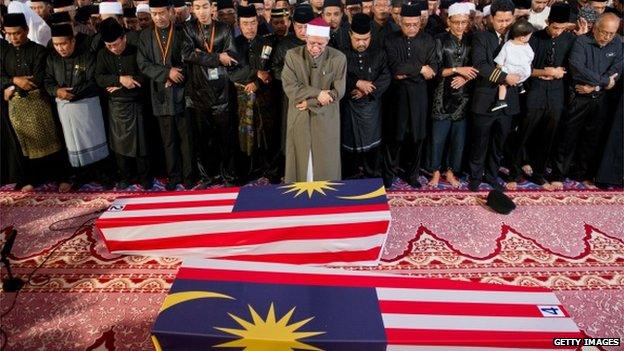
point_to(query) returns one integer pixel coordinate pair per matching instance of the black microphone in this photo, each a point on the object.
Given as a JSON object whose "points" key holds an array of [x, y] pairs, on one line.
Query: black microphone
{"points": [[11, 283]]}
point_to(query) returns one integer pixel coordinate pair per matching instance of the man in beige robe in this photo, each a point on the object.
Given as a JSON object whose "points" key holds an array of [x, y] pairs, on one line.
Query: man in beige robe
{"points": [[314, 78]]}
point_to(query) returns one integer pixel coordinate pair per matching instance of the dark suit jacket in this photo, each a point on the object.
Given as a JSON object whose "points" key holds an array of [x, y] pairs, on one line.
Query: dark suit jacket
{"points": [[485, 47]]}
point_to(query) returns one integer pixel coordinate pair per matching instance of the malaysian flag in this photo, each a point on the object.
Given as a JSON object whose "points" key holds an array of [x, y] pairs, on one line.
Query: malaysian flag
{"points": [[219, 304], [302, 223]]}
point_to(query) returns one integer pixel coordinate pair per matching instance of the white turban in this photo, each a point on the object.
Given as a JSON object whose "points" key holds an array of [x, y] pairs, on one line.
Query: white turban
{"points": [[458, 8], [111, 8]]}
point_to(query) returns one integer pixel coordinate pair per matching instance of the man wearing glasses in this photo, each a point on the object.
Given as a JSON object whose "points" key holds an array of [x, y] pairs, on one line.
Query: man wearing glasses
{"points": [[595, 64]]}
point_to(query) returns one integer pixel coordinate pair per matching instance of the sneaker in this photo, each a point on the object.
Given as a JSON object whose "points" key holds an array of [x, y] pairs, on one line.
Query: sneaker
{"points": [[498, 105]]}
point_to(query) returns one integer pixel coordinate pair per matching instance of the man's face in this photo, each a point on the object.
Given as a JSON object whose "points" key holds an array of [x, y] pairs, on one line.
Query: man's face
{"points": [[556, 29], [300, 30], [410, 26], [118, 46], [367, 8], [249, 26], [458, 24], [181, 14], [432, 6], [161, 16], [317, 4], [64, 45], [316, 45], [203, 11], [538, 5], [132, 23], [351, 10], [259, 8], [605, 31], [280, 25], [501, 21], [424, 18], [381, 10], [17, 36], [333, 16], [599, 6], [396, 14], [227, 15], [360, 42], [41, 8], [281, 4], [145, 20]]}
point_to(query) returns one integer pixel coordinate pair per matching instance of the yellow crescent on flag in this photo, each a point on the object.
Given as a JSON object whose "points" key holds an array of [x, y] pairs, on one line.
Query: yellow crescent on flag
{"points": [[373, 194]]}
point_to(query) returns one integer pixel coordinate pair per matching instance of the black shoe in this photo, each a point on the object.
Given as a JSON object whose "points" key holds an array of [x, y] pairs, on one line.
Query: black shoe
{"points": [[171, 186], [147, 184], [495, 185], [122, 185], [499, 105], [414, 183], [388, 182], [188, 185], [473, 185]]}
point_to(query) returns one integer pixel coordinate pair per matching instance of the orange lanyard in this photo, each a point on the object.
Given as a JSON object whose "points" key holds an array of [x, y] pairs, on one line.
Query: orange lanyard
{"points": [[212, 35], [164, 50]]}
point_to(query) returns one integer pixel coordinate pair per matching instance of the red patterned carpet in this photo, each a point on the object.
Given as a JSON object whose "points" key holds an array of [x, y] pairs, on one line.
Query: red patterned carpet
{"points": [[85, 299]]}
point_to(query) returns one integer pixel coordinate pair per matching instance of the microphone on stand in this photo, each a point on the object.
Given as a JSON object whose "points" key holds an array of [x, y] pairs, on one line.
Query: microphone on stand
{"points": [[11, 283]]}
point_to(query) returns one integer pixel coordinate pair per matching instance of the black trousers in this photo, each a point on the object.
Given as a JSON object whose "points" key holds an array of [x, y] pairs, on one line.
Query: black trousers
{"points": [[54, 167], [177, 143], [369, 161], [488, 134], [214, 137], [131, 167], [580, 142], [402, 158], [534, 140]]}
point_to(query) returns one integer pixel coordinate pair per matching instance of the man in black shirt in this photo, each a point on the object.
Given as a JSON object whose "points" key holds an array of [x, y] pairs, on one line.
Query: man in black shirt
{"points": [[546, 96], [595, 65], [117, 72]]}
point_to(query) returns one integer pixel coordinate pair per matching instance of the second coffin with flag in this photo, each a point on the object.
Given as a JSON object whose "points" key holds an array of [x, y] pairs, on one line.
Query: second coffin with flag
{"points": [[322, 222]]}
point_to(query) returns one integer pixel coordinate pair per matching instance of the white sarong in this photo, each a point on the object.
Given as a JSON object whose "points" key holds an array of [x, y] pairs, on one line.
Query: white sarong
{"points": [[83, 128]]}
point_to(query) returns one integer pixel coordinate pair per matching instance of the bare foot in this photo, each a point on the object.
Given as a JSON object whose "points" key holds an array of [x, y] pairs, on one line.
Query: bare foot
{"points": [[590, 185], [528, 170], [511, 186], [450, 177], [64, 187], [435, 180], [557, 185], [548, 186], [27, 188]]}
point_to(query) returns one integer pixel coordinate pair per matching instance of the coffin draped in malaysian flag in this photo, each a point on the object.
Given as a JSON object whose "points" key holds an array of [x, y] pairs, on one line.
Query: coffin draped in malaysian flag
{"points": [[229, 305], [302, 223]]}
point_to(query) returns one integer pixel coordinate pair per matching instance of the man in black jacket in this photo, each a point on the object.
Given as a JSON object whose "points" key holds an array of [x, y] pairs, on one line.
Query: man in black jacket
{"points": [[117, 72], [209, 53], [159, 57], [490, 129]]}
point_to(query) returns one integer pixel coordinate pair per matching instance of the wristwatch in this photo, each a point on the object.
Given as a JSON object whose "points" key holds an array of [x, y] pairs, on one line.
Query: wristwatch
{"points": [[454, 70], [597, 88]]}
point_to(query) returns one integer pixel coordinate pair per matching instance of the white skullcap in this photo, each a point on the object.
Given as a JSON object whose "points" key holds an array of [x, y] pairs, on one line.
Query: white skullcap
{"points": [[142, 8], [458, 8], [317, 28], [486, 10], [470, 5], [111, 8]]}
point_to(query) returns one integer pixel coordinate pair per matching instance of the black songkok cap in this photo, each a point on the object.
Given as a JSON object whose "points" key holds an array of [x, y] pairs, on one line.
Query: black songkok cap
{"points": [[332, 3], [83, 13], [500, 202], [559, 13], [361, 24], [445, 4], [247, 11], [256, 1], [283, 12], [62, 30], [129, 12], [159, 3], [303, 14], [15, 20], [354, 2], [111, 30], [62, 3], [397, 3], [179, 3], [410, 10], [60, 17], [224, 4]]}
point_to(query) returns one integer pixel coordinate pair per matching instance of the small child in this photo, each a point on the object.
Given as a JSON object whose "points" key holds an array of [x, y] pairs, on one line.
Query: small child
{"points": [[515, 57]]}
